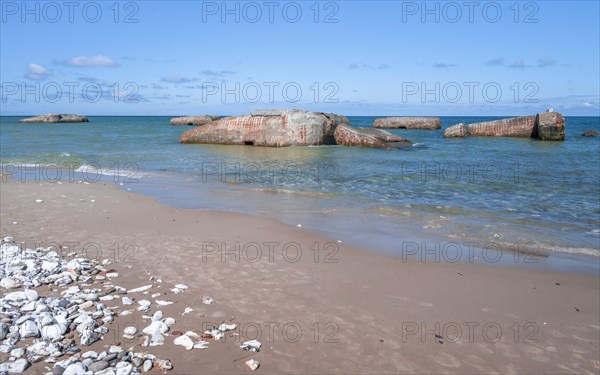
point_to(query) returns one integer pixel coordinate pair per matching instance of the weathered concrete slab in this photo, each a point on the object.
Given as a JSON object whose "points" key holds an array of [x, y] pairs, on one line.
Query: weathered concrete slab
{"points": [[277, 128], [422, 123], [368, 137], [55, 118], [284, 127], [547, 126], [194, 120]]}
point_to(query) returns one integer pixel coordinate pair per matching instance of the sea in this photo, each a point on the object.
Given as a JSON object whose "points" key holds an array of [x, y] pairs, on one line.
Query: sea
{"points": [[509, 201]]}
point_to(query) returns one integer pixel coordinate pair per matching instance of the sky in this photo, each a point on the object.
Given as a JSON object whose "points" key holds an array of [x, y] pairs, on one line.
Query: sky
{"points": [[471, 58]]}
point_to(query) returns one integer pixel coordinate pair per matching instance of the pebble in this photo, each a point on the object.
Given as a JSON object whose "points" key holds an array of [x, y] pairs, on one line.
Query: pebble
{"points": [[147, 365], [18, 352], [98, 366], [207, 300], [18, 366], [75, 369], [164, 364]]}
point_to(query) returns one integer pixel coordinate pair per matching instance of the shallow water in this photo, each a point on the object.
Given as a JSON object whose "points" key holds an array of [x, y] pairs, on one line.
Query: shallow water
{"points": [[511, 193]]}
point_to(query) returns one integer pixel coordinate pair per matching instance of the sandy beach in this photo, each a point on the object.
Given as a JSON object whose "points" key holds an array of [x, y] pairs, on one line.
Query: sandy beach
{"points": [[316, 306]]}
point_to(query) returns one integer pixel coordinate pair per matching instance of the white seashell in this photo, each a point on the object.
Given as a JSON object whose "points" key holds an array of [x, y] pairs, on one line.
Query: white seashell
{"points": [[215, 333], [252, 364], [252, 345], [140, 289], [184, 341], [227, 327], [201, 344], [169, 322]]}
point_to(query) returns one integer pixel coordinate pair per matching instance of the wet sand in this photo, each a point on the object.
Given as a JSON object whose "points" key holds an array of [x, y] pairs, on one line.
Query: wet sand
{"points": [[317, 306]]}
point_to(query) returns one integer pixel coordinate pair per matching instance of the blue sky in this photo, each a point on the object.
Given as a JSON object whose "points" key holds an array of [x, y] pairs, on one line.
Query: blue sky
{"points": [[348, 57]]}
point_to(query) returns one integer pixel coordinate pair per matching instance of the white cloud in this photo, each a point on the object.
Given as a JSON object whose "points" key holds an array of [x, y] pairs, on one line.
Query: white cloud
{"points": [[36, 72], [85, 61]]}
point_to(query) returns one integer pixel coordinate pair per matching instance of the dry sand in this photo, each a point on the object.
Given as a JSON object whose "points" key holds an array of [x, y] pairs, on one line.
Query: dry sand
{"points": [[336, 310]]}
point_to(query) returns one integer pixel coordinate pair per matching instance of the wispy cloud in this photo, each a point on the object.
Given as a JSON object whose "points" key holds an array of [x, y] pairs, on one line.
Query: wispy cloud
{"points": [[495, 62], [36, 72], [87, 79], [545, 62], [156, 86], [177, 79], [518, 64], [589, 104], [219, 74], [443, 65], [88, 61], [381, 66]]}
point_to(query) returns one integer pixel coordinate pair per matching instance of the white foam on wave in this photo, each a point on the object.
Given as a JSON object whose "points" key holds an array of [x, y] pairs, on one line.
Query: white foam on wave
{"points": [[124, 172], [577, 251]]}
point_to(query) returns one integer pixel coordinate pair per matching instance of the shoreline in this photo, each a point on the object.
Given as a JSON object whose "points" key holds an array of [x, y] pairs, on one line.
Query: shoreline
{"points": [[358, 311], [420, 245]]}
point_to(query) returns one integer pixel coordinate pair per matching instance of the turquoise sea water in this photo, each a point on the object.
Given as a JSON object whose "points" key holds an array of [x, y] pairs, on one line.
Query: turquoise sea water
{"points": [[514, 193]]}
